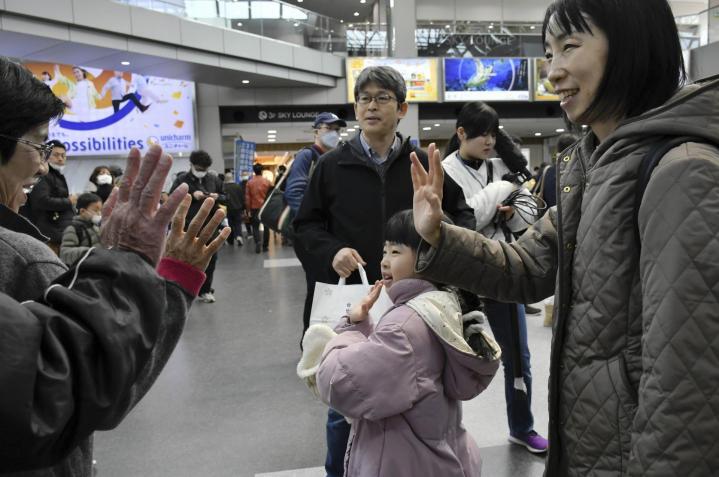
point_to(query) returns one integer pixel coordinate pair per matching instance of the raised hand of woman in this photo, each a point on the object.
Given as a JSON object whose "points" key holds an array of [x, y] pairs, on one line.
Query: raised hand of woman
{"points": [[427, 200]]}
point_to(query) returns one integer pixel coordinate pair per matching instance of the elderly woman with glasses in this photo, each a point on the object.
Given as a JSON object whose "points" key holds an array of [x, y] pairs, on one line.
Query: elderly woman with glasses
{"points": [[77, 355]]}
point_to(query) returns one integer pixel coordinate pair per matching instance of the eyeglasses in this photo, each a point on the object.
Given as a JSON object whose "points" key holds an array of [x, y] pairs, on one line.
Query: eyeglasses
{"points": [[382, 98], [45, 150]]}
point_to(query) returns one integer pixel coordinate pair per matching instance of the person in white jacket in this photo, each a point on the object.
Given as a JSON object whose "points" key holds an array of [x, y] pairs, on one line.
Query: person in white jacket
{"points": [[470, 163]]}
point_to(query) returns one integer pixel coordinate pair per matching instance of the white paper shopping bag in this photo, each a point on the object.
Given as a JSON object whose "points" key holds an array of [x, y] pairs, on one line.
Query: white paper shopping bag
{"points": [[331, 302]]}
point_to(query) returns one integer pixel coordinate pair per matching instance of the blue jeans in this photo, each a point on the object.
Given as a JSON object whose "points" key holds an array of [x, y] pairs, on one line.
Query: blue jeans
{"points": [[338, 433], [519, 412]]}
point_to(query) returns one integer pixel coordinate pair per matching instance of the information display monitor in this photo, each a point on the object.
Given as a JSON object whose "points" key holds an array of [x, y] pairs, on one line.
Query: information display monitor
{"points": [[420, 75], [486, 79]]}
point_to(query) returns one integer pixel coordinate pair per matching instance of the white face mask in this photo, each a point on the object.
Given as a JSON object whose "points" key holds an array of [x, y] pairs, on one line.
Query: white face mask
{"points": [[96, 219], [104, 179], [198, 174], [56, 167], [330, 139]]}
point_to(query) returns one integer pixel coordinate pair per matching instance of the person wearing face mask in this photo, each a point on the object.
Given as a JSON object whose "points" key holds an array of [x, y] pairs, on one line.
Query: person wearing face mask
{"points": [[327, 127], [101, 182], [52, 206], [84, 231], [202, 184]]}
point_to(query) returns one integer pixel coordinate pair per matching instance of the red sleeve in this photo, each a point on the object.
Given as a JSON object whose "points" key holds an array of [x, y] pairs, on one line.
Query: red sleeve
{"points": [[184, 274]]}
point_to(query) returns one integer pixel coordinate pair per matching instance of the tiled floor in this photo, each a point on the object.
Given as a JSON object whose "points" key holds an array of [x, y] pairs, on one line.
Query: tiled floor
{"points": [[229, 402]]}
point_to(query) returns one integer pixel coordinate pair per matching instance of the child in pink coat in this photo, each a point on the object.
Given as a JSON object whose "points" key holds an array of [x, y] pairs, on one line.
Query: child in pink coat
{"points": [[401, 381]]}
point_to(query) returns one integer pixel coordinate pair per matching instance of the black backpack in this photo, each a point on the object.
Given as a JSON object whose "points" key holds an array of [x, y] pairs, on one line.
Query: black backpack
{"points": [[649, 163]]}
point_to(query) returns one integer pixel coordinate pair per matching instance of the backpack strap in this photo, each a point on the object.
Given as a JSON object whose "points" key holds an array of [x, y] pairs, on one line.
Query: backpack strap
{"points": [[649, 163], [313, 164], [81, 233]]}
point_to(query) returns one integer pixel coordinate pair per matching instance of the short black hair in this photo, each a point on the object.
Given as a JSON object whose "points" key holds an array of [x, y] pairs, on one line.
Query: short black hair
{"points": [[645, 66], [86, 199], [257, 168], [200, 158], [25, 102], [477, 119], [400, 229], [385, 77], [55, 143]]}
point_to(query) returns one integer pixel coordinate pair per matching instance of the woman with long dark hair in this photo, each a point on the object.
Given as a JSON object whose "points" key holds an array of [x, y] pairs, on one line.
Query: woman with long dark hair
{"points": [[470, 162], [632, 242]]}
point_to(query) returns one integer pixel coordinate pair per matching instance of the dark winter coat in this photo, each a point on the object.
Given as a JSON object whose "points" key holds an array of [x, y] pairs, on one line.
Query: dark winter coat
{"points": [[210, 184], [348, 202], [55, 346], [635, 355], [50, 205]]}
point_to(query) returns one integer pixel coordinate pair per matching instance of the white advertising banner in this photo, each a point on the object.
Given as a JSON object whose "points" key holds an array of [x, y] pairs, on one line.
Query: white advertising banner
{"points": [[108, 112]]}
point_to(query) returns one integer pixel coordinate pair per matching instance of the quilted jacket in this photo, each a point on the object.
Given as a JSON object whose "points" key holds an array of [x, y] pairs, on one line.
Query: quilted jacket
{"points": [[635, 352]]}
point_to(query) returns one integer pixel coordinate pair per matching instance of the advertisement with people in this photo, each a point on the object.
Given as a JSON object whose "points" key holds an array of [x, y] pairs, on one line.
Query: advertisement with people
{"points": [[543, 89], [420, 75], [109, 112], [486, 79]]}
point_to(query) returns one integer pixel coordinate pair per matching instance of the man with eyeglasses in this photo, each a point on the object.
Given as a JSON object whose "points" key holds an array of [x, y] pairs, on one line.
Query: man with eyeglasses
{"points": [[51, 206], [353, 191]]}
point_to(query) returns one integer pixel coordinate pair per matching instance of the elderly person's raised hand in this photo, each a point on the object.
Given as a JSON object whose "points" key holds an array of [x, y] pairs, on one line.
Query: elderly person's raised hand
{"points": [[130, 218], [427, 200], [194, 246]]}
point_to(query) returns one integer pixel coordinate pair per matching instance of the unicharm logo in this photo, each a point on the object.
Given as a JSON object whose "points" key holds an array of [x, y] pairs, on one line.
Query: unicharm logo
{"points": [[176, 137]]}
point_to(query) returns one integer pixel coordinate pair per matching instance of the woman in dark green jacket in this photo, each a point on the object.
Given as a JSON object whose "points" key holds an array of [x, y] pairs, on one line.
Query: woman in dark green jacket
{"points": [[635, 358]]}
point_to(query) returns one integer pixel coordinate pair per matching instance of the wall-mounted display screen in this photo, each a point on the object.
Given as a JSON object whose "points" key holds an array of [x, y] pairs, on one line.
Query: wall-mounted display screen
{"points": [[108, 112], [543, 89], [486, 79], [420, 75]]}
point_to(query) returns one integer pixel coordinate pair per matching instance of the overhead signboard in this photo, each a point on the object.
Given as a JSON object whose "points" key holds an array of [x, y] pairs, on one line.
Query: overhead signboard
{"points": [[486, 79], [543, 89], [109, 112], [281, 114], [420, 75]]}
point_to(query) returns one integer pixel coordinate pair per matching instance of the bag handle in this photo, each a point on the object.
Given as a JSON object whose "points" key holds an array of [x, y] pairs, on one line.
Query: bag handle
{"points": [[363, 276]]}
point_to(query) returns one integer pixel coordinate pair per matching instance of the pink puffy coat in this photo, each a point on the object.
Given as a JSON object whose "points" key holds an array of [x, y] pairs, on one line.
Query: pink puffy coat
{"points": [[401, 385]]}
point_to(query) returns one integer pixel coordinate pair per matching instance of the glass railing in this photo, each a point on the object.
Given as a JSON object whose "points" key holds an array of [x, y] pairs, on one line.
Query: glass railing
{"points": [[270, 18], [291, 23], [699, 29]]}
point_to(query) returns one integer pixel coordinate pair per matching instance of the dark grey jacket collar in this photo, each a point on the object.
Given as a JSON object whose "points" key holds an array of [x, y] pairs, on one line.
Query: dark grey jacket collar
{"points": [[17, 223]]}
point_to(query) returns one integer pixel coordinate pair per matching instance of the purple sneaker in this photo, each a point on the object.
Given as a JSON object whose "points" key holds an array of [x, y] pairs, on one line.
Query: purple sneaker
{"points": [[534, 443]]}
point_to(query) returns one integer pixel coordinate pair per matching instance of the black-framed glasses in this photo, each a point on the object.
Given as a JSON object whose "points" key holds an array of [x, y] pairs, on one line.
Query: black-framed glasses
{"points": [[45, 150], [382, 98]]}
